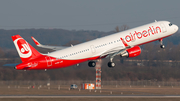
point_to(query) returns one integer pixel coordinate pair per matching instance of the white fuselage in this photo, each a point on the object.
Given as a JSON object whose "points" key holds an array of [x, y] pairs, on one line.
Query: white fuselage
{"points": [[112, 43], [124, 43]]}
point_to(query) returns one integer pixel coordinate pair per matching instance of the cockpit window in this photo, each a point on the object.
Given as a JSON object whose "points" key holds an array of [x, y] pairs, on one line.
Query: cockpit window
{"points": [[170, 24]]}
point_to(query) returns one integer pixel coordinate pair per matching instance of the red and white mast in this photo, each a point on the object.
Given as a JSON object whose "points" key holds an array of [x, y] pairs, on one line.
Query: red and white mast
{"points": [[98, 74]]}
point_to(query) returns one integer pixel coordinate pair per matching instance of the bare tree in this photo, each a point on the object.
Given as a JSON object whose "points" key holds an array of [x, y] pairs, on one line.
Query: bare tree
{"points": [[122, 28], [117, 29]]}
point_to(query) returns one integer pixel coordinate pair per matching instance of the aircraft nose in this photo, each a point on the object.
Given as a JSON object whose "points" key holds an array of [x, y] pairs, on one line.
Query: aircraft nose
{"points": [[176, 28]]}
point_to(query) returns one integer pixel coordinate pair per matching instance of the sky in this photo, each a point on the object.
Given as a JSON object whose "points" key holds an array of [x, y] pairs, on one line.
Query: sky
{"points": [[101, 15]]}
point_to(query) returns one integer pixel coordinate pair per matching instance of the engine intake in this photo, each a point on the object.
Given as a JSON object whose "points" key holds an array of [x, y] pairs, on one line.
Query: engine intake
{"points": [[131, 52]]}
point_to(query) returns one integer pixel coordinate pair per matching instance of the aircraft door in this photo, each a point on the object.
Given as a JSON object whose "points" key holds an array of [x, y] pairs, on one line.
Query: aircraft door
{"points": [[48, 60], [93, 49], [163, 27]]}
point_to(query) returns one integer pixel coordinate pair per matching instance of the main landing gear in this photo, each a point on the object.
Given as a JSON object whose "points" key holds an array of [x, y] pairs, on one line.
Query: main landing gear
{"points": [[92, 64], [161, 43], [110, 64]]}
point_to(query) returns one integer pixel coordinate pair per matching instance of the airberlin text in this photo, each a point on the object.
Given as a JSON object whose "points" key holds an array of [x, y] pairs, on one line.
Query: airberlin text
{"points": [[145, 33]]}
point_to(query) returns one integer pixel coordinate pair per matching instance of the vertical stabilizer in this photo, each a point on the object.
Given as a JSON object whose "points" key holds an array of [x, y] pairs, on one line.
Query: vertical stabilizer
{"points": [[24, 49]]}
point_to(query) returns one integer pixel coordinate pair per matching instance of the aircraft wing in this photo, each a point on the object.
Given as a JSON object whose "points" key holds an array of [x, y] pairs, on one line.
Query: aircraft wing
{"points": [[116, 51], [110, 52], [46, 46]]}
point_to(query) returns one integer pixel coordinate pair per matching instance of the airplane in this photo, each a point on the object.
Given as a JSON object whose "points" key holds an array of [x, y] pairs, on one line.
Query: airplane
{"points": [[125, 44]]}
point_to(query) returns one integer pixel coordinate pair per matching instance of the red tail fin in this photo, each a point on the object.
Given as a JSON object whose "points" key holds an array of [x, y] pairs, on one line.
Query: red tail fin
{"points": [[25, 50]]}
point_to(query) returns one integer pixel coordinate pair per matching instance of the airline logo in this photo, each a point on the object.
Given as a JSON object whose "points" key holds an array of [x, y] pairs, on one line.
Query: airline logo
{"points": [[145, 33], [125, 44], [23, 48]]}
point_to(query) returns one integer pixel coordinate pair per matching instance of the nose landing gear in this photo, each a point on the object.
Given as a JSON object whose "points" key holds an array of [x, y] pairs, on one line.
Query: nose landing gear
{"points": [[161, 43], [162, 46]]}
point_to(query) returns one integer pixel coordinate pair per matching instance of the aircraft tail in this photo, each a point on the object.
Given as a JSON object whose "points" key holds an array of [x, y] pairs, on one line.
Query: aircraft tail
{"points": [[24, 49]]}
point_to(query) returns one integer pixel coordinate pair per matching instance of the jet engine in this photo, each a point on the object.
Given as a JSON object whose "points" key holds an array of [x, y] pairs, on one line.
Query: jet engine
{"points": [[131, 52]]}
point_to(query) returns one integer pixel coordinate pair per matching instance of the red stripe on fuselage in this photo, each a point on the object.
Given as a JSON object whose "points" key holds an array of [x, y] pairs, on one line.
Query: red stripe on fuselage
{"points": [[46, 62], [65, 63]]}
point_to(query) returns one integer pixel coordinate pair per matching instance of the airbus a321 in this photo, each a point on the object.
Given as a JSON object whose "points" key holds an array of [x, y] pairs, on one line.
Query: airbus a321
{"points": [[125, 44]]}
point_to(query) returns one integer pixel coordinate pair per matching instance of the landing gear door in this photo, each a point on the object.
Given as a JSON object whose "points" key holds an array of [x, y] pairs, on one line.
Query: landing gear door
{"points": [[48, 60], [93, 49], [163, 27]]}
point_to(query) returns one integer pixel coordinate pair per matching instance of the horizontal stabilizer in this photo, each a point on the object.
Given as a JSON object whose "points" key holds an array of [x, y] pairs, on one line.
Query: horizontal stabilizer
{"points": [[11, 65]]}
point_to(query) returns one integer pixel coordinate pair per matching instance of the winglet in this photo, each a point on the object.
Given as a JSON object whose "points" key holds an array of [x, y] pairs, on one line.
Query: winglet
{"points": [[125, 44], [35, 41]]}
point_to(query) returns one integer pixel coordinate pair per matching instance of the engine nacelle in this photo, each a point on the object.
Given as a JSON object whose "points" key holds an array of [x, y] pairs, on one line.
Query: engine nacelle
{"points": [[131, 52]]}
